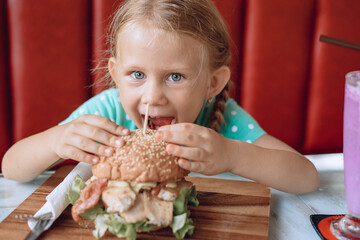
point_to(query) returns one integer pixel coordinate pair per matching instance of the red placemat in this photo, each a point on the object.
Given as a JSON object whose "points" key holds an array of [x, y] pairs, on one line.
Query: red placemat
{"points": [[321, 223]]}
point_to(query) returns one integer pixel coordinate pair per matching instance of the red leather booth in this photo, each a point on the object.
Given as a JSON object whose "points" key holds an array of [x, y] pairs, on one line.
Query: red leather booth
{"points": [[292, 83]]}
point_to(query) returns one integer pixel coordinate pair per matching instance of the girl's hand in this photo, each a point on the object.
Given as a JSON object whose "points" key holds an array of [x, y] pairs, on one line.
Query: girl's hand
{"points": [[86, 138], [200, 149]]}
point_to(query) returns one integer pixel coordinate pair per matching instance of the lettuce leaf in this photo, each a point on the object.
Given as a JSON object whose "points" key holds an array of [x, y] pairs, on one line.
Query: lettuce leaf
{"points": [[144, 226], [178, 222], [73, 193], [117, 226], [180, 203], [184, 198], [130, 232], [93, 212], [101, 225], [182, 223], [193, 201], [188, 229]]}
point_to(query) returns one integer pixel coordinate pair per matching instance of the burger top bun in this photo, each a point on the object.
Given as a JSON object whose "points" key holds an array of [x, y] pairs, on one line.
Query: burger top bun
{"points": [[142, 159]]}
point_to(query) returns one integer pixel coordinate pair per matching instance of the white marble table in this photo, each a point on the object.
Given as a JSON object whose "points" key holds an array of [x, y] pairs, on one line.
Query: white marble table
{"points": [[289, 213]]}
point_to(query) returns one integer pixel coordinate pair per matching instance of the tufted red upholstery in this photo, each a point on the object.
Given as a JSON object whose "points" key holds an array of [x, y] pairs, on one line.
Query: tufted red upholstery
{"points": [[5, 102], [288, 80], [328, 66]]}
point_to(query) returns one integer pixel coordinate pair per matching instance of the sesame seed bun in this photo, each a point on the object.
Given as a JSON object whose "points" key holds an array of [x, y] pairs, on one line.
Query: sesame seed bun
{"points": [[142, 159]]}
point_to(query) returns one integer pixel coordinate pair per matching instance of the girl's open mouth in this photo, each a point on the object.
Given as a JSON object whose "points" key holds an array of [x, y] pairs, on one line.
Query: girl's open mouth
{"points": [[157, 122]]}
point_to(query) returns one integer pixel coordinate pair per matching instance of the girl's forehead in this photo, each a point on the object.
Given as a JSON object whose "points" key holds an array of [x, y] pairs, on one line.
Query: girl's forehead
{"points": [[151, 36]]}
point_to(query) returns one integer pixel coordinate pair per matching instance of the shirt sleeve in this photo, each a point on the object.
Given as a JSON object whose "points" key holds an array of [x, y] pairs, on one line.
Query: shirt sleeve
{"points": [[106, 104], [239, 125]]}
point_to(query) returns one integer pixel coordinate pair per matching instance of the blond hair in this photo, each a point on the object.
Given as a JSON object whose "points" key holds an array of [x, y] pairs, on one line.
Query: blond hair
{"points": [[198, 18]]}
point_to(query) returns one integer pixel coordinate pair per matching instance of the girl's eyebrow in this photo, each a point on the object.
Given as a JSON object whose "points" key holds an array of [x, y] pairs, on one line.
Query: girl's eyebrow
{"points": [[178, 67], [132, 66], [172, 69]]}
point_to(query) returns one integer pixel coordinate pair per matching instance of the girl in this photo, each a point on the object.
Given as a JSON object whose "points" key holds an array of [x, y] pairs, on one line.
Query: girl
{"points": [[174, 56]]}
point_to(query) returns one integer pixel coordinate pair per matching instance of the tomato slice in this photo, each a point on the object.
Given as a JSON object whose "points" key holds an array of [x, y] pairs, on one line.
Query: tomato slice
{"points": [[89, 197]]}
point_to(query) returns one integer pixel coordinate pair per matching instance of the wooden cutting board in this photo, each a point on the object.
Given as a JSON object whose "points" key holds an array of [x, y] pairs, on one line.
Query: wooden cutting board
{"points": [[228, 209]]}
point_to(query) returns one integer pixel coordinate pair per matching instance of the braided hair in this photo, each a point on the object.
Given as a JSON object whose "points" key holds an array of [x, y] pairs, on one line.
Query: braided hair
{"points": [[216, 115]]}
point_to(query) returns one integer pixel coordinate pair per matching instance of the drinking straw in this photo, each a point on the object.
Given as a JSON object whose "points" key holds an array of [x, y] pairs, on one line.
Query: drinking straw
{"points": [[340, 42], [146, 119]]}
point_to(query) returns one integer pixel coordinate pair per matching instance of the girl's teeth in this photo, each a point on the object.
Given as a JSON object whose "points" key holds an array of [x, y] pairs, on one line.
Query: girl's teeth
{"points": [[173, 121]]}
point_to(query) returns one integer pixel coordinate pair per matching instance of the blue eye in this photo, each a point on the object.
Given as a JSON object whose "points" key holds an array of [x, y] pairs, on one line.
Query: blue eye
{"points": [[138, 75], [175, 77]]}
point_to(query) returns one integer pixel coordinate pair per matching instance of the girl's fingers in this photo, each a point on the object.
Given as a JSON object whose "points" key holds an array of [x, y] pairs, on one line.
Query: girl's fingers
{"points": [[87, 145], [98, 134], [197, 154], [193, 166], [72, 152], [105, 123], [185, 134]]}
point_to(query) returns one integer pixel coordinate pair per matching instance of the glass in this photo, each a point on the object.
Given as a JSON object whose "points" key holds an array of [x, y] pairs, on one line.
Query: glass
{"points": [[348, 227]]}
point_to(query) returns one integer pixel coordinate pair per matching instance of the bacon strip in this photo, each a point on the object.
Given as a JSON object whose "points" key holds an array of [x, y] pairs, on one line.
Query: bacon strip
{"points": [[89, 197]]}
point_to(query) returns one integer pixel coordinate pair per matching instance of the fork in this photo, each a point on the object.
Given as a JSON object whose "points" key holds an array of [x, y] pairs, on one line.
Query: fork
{"points": [[41, 222]]}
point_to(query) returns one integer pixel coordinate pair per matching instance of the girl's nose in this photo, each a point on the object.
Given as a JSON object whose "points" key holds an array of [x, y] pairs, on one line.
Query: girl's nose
{"points": [[154, 94]]}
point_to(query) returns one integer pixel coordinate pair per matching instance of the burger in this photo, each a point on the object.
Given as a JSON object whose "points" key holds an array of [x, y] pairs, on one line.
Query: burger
{"points": [[140, 188]]}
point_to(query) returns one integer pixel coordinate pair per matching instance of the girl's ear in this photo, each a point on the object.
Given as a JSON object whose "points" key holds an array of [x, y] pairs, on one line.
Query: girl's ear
{"points": [[112, 68], [219, 79]]}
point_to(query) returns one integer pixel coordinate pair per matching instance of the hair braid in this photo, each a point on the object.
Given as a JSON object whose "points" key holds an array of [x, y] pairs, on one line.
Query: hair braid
{"points": [[216, 115]]}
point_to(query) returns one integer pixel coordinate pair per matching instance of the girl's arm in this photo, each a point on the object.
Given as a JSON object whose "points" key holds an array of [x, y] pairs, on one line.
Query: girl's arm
{"points": [[267, 160], [274, 163], [79, 139], [29, 157]]}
